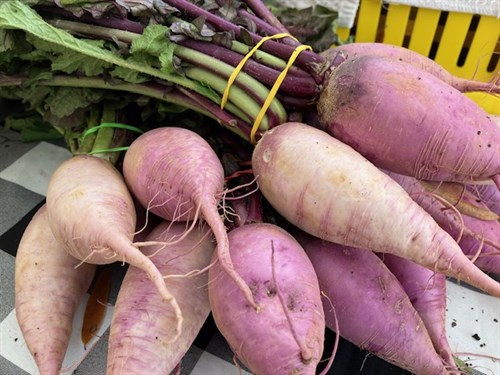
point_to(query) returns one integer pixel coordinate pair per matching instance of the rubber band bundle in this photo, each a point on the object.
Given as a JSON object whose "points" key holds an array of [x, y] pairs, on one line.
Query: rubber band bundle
{"points": [[276, 85]]}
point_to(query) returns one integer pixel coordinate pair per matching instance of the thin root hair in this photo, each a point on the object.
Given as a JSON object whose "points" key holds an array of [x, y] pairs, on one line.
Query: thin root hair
{"points": [[238, 174], [479, 355], [178, 213], [236, 363], [146, 222], [95, 251], [430, 282], [446, 203], [182, 237], [478, 252], [151, 205], [226, 191], [202, 238], [478, 194], [191, 273], [215, 278], [337, 337], [228, 213]]}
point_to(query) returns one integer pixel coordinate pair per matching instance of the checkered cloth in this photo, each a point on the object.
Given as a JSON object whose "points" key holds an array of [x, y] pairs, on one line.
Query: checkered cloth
{"points": [[25, 169]]}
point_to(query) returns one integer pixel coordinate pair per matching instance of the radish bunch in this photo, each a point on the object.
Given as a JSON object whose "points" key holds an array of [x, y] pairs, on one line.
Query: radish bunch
{"points": [[393, 188]]}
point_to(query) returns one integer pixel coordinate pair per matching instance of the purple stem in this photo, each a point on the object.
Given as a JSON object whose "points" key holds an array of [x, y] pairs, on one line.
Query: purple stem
{"points": [[265, 27], [307, 60], [303, 87], [262, 11], [228, 120], [272, 117], [111, 22]]}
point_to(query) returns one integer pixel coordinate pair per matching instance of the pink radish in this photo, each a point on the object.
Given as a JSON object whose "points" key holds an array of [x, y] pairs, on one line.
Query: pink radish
{"points": [[372, 309], [177, 175], [49, 286], [286, 335], [427, 292], [92, 215], [407, 121], [329, 190], [142, 323]]}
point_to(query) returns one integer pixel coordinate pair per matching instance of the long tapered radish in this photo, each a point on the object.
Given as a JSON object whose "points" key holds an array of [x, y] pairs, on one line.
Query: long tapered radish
{"points": [[475, 228], [427, 292], [176, 174], [92, 214], [372, 309], [48, 289], [142, 323], [329, 190]]}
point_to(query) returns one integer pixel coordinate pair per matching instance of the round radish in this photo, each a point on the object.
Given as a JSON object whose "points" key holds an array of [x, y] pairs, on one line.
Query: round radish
{"points": [[175, 174], [286, 335]]}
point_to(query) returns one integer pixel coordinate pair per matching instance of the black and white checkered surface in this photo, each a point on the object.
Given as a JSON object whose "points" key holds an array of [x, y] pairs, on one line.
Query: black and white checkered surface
{"points": [[25, 169]]}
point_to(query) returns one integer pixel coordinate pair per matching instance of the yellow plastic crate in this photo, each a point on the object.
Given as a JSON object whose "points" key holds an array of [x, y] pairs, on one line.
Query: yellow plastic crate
{"points": [[467, 45]]}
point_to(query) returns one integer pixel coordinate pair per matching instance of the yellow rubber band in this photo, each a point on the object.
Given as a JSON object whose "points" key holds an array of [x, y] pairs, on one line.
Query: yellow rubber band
{"points": [[274, 90], [240, 65]]}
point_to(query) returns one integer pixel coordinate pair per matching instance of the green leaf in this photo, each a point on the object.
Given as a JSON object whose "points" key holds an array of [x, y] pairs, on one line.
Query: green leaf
{"points": [[12, 44], [71, 62], [166, 58], [133, 76], [14, 14], [153, 40], [64, 101], [313, 26]]}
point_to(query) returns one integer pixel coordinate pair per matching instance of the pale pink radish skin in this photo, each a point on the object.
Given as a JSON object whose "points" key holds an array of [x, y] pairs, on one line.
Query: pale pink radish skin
{"points": [[407, 121], [286, 336], [92, 214], [427, 292], [398, 53], [177, 175], [48, 289], [142, 324], [329, 190], [372, 309], [478, 237]]}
